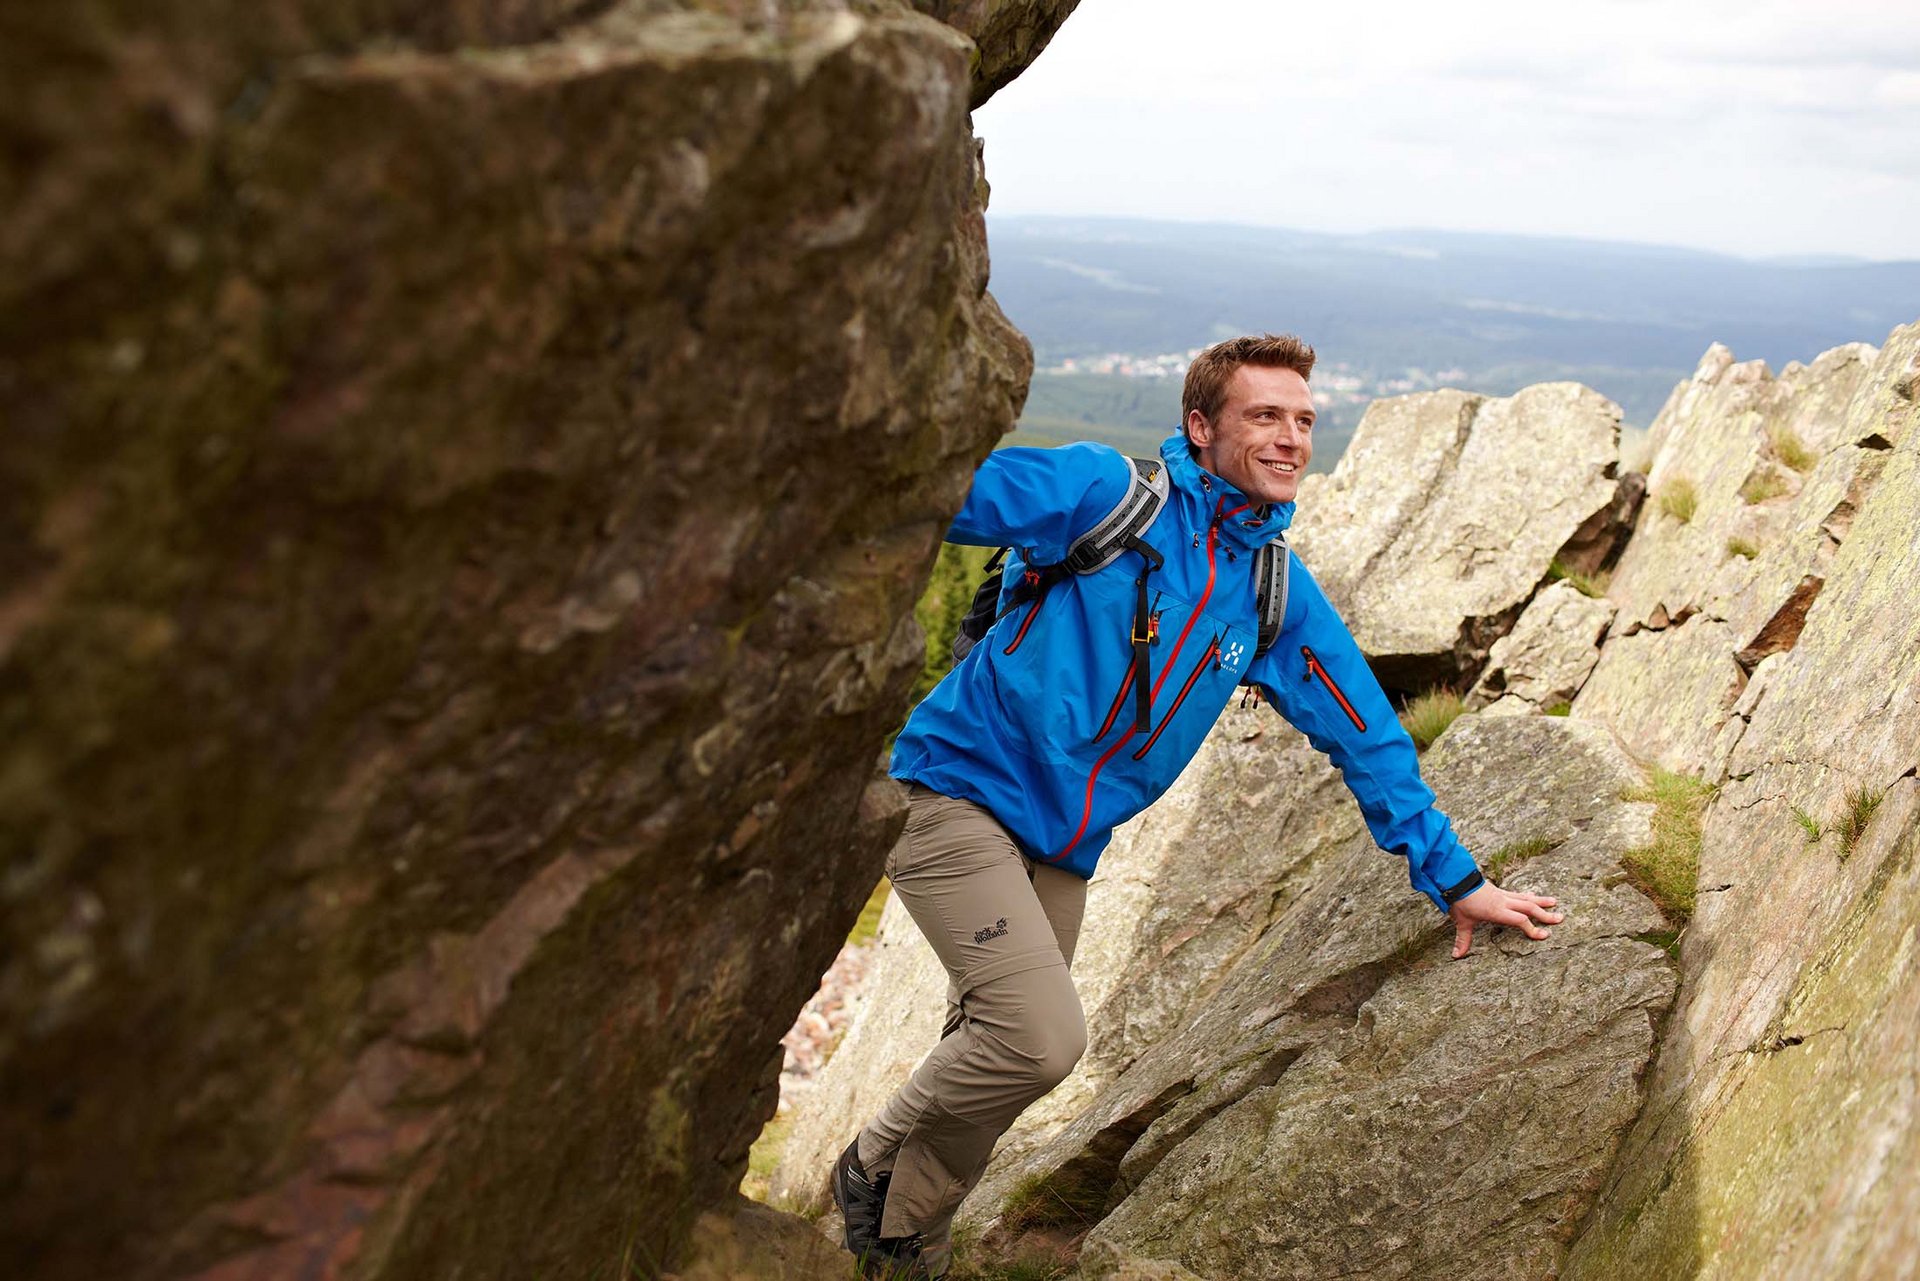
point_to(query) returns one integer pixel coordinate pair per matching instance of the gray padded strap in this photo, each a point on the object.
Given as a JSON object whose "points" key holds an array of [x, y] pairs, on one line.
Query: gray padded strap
{"points": [[1147, 489], [1271, 575]]}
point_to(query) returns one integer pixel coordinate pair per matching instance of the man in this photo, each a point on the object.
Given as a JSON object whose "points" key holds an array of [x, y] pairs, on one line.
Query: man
{"points": [[1023, 760]]}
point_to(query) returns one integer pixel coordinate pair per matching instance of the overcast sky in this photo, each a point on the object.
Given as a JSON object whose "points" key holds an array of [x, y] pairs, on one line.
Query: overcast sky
{"points": [[1757, 128]]}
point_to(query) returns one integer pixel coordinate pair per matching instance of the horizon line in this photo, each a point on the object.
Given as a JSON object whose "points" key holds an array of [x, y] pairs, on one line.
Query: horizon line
{"points": [[1803, 260]]}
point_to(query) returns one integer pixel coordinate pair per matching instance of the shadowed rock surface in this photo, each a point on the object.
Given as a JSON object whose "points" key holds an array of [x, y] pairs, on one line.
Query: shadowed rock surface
{"points": [[468, 470], [1439, 522]]}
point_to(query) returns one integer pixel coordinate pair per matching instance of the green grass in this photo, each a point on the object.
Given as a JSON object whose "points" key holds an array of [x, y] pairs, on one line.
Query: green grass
{"points": [[1052, 1200], [1667, 870], [1761, 486], [1560, 709], [1594, 585], [1856, 811], [973, 1262], [1667, 941], [1512, 855], [1742, 547], [1679, 499], [1426, 718], [869, 922], [1790, 449], [764, 1156], [1808, 824]]}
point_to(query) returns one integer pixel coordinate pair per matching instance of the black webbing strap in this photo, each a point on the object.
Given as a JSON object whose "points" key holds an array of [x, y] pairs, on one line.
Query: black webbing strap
{"points": [[1466, 885], [1143, 637]]}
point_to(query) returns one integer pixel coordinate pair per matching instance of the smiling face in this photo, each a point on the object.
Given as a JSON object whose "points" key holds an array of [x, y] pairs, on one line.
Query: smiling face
{"points": [[1262, 438]]}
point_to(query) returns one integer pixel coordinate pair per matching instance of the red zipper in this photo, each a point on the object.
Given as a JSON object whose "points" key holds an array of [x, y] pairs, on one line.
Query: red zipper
{"points": [[1093, 776], [1213, 649], [1039, 599], [1119, 701], [1314, 668]]}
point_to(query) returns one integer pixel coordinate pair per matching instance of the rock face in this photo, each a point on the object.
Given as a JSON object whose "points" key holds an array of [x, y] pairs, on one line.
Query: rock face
{"points": [[1333, 1106], [1703, 601], [467, 474], [1781, 1136], [1443, 515]]}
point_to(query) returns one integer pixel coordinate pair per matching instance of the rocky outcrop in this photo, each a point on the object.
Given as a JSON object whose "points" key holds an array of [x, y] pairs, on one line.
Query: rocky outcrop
{"points": [[1702, 601], [1780, 1135], [467, 474], [1443, 515], [1350, 1101]]}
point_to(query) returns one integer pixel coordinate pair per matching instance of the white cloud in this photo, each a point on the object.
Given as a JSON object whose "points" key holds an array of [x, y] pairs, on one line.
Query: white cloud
{"points": [[1753, 126]]}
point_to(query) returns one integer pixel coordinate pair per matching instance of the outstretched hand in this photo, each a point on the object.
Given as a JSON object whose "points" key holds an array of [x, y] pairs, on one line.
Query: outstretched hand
{"points": [[1495, 906]]}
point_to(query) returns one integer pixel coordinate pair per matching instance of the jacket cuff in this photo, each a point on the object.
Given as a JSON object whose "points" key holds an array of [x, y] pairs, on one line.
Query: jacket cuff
{"points": [[1454, 873]]}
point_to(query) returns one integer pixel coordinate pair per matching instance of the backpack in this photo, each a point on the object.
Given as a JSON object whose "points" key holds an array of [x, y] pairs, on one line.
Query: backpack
{"points": [[1114, 534]]}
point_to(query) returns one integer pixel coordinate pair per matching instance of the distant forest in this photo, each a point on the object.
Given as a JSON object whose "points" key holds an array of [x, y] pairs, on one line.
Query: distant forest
{"points": [[1394, 311]]}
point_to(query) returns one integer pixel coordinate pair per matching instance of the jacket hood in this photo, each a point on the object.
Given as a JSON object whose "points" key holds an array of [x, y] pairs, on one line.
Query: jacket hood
{"points": [[1253, 528]]}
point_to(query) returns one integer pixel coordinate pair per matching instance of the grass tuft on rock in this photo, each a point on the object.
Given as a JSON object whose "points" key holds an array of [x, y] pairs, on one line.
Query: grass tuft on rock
{"points": [[972, 1261], [1808, 824], [1856, 811], [1560, 709], [1594, 585], [1790, 449], [1426, 718], [1679, 499], [1761, 486], [1053, 1200], [1512, 855], [1742, 547], [868, 923], [1667, 870]]}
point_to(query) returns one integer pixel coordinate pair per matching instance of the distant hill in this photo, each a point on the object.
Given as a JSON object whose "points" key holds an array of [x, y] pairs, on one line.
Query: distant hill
{"points": [[1398, 311]]}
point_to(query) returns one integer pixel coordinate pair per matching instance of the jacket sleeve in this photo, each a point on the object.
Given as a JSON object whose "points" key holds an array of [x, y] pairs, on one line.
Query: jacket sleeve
{"points": [[1339, 705], [1040, 499]]}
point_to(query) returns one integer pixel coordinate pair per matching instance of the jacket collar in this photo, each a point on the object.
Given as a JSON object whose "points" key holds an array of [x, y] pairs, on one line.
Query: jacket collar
{"points": [[1252, 527]]}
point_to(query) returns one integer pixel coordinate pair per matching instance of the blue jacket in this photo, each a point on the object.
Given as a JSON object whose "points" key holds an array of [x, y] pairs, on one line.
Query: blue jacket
{"points": [[1037, 723]]}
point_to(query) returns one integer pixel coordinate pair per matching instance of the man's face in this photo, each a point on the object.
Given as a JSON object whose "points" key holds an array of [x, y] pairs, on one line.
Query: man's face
{"points": [[1263, 437]]}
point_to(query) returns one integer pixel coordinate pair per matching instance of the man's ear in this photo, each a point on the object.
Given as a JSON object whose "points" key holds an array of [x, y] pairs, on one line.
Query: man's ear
{"points": [[1199, 430]]}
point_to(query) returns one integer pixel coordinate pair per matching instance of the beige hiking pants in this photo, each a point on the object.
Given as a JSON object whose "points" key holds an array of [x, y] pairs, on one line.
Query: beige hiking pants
{"points": [[1004, 927]]}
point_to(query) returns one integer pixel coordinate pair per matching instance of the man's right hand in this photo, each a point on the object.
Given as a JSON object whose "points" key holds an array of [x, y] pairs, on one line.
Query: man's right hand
{"points": [[1495, 906]]}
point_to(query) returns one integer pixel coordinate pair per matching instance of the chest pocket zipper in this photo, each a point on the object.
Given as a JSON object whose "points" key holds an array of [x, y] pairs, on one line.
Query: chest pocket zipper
{"points": [[1315, 668], [1213, 652]]}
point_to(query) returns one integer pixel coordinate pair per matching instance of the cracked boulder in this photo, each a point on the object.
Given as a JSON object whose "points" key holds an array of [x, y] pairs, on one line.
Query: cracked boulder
{"points": [[1781, 1132], [1443, 515], [1702, 601], [1547, 656], [467, 474], [1343, 1099]]}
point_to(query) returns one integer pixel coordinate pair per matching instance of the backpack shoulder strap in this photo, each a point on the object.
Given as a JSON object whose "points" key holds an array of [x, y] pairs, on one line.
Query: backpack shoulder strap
{"points": [[1271, 575], [1147, 490]]}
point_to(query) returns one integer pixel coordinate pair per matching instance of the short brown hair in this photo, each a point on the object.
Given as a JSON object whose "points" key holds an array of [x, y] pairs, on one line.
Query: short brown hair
{"points": [[1212, 369]]}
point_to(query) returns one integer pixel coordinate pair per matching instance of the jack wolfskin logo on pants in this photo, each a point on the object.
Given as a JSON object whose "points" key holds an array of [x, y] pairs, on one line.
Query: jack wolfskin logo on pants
{"points": [[997, 930]]}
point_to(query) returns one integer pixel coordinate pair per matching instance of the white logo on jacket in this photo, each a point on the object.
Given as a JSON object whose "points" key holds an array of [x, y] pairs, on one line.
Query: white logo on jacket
{"points": [[1230, 657]]}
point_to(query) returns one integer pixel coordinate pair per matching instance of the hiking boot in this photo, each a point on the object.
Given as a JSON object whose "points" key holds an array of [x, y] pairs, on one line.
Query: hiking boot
{"points": [[860, 1199], [895, 1259]]}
